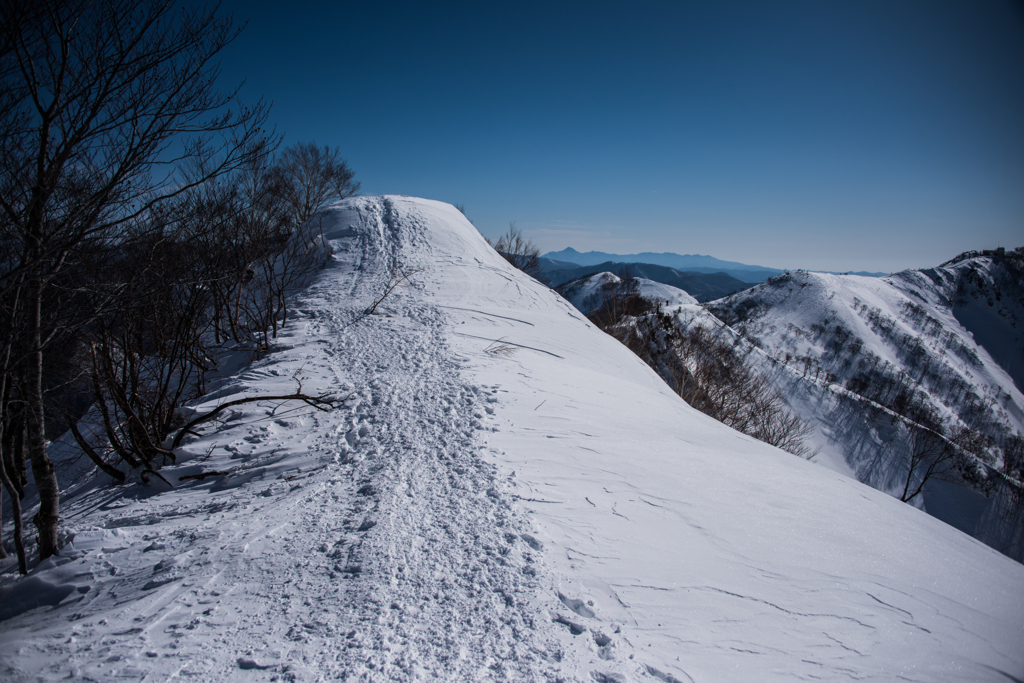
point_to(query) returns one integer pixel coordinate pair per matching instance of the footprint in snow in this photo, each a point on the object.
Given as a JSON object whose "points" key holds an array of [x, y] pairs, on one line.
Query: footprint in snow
{"points": [[246, 663], [574, 628], [577, 606], [532, 542]]}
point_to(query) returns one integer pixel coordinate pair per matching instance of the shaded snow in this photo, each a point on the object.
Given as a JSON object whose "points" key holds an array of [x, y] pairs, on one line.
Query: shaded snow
{"points": [[508, 494]]}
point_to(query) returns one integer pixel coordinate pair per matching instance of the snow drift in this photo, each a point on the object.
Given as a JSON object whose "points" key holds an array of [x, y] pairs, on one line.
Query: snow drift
{"points": [[507, 494]]}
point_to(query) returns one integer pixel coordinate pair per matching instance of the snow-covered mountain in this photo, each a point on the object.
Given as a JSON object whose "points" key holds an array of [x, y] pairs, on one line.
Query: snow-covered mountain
{"points": [[588, 293], [850, 353], [701, 286], [506, 494]]}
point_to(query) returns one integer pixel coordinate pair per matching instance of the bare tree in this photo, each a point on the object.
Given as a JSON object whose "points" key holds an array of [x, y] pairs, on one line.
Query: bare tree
{"points": [[278, 203], [1013, 457], [306, 177], [933, 455], [615, 300], [108, 108], [714, 378], [705, 370], [149, 348], [519, 251]]}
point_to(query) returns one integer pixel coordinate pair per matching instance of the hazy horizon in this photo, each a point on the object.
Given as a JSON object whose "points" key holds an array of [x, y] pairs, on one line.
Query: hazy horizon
{"points": [[547, 254]]}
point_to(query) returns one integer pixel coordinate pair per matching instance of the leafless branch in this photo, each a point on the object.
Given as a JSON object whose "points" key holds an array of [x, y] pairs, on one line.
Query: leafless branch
{"points": [[398, 276], [323, 402]]}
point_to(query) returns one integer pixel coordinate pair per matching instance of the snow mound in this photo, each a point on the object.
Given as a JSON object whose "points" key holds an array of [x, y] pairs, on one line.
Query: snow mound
{"points": [[506, 494]]}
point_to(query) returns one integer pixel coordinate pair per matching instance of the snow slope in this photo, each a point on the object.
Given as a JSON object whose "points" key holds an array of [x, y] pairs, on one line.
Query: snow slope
{"points": [[839, 345], [508, 494]]}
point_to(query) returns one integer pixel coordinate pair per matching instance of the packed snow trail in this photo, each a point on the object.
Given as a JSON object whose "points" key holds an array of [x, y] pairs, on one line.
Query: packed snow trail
{"points": [[383, 546], [505, 494], [432, 548]]}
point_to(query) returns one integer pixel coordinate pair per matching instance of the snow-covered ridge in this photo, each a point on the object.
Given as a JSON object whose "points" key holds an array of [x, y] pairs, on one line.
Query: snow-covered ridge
{"points": [[588, 293], [508, 494], [843, 347]]}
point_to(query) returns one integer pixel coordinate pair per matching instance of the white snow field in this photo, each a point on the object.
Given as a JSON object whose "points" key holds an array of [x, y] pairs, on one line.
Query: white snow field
{"points": [[507, 495]]}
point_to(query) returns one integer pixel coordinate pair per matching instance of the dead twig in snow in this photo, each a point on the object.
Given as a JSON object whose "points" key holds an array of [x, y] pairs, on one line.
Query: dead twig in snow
{"points": [[499, 348], [397, 277]]}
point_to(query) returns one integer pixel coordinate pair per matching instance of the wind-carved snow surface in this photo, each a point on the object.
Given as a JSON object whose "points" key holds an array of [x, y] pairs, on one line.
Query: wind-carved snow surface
{"points": [[507, 494]]}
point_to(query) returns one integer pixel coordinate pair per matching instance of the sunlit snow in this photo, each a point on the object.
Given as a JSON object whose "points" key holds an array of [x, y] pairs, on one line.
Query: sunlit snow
{"points": [[507, 494]]}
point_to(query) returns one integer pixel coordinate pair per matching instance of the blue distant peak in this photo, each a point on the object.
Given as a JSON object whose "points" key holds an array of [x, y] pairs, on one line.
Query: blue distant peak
{"points": [[682, 262]]}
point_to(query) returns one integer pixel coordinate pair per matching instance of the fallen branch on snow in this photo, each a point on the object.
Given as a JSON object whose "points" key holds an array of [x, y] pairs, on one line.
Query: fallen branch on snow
{"points": [[323, 402]]}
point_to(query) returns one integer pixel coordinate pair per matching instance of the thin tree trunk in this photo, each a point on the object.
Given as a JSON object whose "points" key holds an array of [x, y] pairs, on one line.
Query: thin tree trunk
{"points": [[19, 534], [14, 458], [3, 423], [3, 551], [42, 469]]}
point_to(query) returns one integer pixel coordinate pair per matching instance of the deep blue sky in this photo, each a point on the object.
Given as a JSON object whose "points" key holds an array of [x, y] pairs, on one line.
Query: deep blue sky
{"points": [[824, 135]]}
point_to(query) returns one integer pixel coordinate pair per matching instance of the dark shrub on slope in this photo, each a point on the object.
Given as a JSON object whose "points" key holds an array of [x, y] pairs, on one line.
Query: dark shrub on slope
{"points": [[706, 370]]}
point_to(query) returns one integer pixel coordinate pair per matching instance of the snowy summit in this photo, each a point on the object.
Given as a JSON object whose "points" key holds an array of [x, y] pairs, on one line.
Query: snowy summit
{"points": [[506, 493]]}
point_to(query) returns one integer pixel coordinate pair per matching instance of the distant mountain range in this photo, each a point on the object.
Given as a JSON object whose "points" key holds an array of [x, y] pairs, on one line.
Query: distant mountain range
{"points": [[693, 263], [703, 286]]}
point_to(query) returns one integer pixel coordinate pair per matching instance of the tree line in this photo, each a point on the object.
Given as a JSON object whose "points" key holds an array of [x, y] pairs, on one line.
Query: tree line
{"points": [[146, 217]]}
